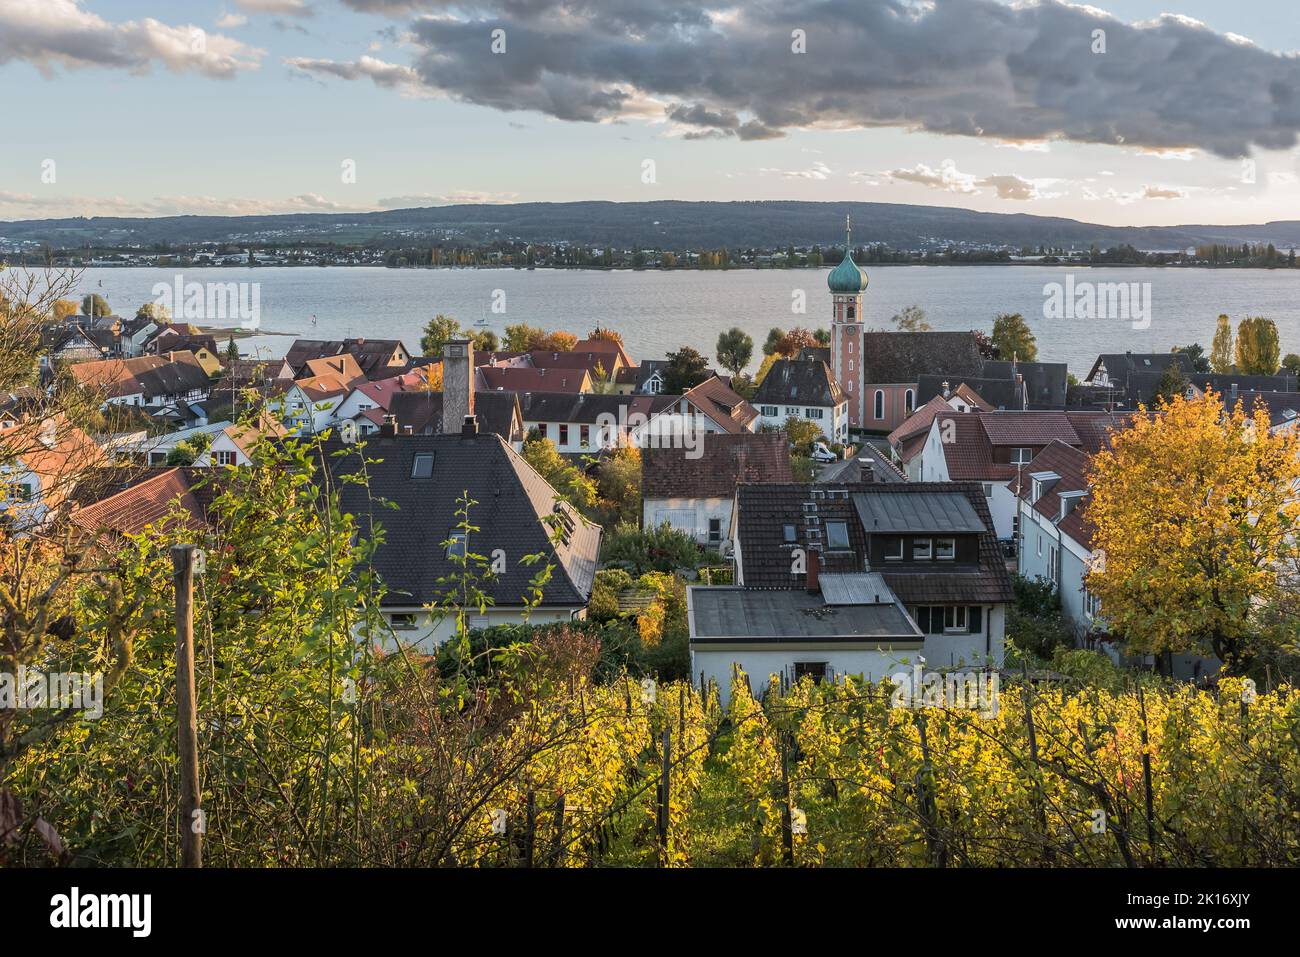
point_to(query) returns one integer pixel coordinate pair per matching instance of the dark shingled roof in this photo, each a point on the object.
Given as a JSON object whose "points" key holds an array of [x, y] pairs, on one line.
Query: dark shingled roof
{"points": [[902, 357], [798, 382], [723, 462], [422, 413], [727, 614], [1120, 365], [764, 510], [516, 511], [911, 512], [586, 407]]}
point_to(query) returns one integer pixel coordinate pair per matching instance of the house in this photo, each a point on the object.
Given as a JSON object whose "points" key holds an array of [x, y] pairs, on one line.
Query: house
{"points": [[139, 499], [150, 382], [908, 440], [343, 367], [598, 343], [367, 395], [42, 459], [587, 423], [714, 407], [146, 449], [1112, 381], [853, 579], [644, 379], [1046, 384], [1055, 534], [974, 392], [421, 413], [375, 357], [693, 490], [518, 515], [203, 346], [993, 448], [868, 465], [528, 378], [803, 389], [236, 443], [1141, 387]]}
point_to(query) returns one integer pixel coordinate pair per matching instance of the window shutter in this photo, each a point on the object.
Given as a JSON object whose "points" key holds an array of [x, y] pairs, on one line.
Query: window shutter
{"points": [[974, 616]]}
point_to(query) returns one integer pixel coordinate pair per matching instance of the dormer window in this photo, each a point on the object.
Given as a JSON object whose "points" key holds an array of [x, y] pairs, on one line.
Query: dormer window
{"points": [[422, 465]]}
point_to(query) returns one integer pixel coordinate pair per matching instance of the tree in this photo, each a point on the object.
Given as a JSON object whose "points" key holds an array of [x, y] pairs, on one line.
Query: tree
{"points": [[608, 335], [764, 368], [232, 351], [1221, 347], [735, 349], [794, 341], [438, 331], [1193, 512], [1200, 363], [1013, 339], [823, 337], [619, 486], [1172, 383], [154, 311], [1291, 364], [520, 337], [485, 340], [802, 433], [64, 308], [525, 338], [569, 481], [94, 301], [912, 319], [774, 337], [685, 370], [1258, 349]]}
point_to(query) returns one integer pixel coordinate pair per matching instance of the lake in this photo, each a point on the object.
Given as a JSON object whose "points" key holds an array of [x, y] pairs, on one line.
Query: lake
{"points": [[657, 312]]}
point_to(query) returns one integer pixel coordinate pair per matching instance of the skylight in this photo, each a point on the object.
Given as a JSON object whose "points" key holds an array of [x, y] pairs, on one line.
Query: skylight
{"points": [[422, 465]]}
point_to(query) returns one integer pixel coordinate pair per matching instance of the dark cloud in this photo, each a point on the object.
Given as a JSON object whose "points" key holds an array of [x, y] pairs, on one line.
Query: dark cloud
{"points": [[966, 67]]}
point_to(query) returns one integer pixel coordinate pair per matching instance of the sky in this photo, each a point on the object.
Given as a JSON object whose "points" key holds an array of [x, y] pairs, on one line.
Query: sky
{"points": [[1128, 112]]}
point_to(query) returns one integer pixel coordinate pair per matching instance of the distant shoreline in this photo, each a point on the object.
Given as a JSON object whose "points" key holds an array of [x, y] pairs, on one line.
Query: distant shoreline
{"points": [[1073, 264]]}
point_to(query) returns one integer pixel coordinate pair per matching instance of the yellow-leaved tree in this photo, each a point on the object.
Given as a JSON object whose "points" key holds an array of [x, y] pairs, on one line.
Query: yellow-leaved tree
{"points": [[1193, 508]]}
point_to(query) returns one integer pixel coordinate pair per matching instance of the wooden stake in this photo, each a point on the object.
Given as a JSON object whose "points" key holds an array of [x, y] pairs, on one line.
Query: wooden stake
{"points": [[187, 729]]}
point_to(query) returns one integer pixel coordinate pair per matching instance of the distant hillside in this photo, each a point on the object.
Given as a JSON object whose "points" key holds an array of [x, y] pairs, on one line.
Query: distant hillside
{"points": [[667, 224]]}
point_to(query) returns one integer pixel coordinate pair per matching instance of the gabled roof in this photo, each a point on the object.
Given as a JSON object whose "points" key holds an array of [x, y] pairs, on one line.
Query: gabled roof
{"points": [[146, 502], [516, 512], [586, 408], [798, 382], [903, 357], [716, 399], [1018, 429], [342, 367], [763, 511], [983, 393], [529, 379], [605, 345], [715, 469], [421, 412], [175, 374], [1119, 365], [1071, 467], [918, 423], [1046, 383]]}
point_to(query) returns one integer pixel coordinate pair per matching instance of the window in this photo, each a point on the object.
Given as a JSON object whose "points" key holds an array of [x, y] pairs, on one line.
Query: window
{"points": [[813, 669], [945, 549], [1051, 562], [837, 534], [584, 436], [788, 533], [814, 413], [921, 549], [1037, 490], [715, 530], [422, 465], [225, 458], [654, 386], [1091, 606], [894, 548], [564, 434], [909, 400], [852, 311], [792, 410], [402, 621], [1021, 456], [954, 618], [880, 404], [1040, 546], [988, 489], [850, 365], [768, 410], [849, 384], [457, 544]]}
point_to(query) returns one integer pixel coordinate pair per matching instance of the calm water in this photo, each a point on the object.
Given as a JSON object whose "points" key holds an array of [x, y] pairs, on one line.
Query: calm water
{"points": [[658, 312]]}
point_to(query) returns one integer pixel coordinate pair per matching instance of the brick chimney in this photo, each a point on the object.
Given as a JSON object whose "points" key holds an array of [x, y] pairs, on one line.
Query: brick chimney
{"points": [[457, 384], [814, 571], [389, 427]]}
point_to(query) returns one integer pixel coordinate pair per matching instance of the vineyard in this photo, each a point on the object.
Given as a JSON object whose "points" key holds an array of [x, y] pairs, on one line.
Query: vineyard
{"points": [[834, 775]]}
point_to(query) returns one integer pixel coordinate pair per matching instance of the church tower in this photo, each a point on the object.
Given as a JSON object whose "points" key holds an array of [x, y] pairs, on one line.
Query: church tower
{"points": [[847, 282]]}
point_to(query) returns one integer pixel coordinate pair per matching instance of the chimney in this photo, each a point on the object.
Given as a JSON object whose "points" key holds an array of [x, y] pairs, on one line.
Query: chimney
{"points": [[469, 427], [814, 570], [946, 391], [389, 428], [457, 384]]}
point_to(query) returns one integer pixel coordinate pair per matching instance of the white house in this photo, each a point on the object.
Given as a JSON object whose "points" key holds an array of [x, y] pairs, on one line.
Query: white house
{"points": [[803, 389]]}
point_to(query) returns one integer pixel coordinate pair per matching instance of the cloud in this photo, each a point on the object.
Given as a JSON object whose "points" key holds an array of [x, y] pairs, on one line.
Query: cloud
{"points": [[459, 197], [947, 178], [1146, 192], [60, 33], [288, 8], [1017, 73], [818, 170], [228, 21], [388, 75], [30, 206]]}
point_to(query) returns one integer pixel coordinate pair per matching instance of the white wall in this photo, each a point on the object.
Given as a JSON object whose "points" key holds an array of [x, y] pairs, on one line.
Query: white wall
{"points": [[690, 515], [759, 664], [426, 636]]}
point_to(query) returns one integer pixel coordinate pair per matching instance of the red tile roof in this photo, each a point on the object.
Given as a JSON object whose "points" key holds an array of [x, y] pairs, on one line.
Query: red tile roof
{"points": [[132, 510], [715, 399], [723, 462]]}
